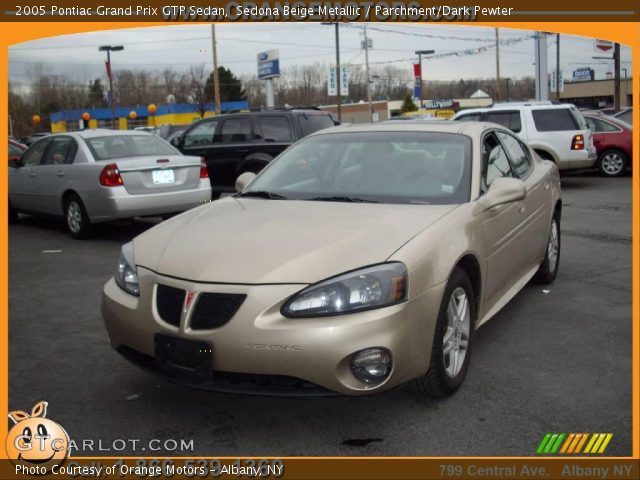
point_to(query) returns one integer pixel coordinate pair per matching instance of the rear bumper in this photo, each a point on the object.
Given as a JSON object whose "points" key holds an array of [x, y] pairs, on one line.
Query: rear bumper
{"points": [[578, 160], [112, 203]]}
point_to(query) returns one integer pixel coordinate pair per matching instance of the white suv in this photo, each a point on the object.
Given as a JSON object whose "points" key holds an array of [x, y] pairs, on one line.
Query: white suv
{"points": [[556, 132]]}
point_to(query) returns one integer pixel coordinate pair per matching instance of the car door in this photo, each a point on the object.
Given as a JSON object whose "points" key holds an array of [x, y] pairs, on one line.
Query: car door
{"points": [[23, 180], [233, 142], [274, 134], [55, 170], [535, 208], [501, 226]]}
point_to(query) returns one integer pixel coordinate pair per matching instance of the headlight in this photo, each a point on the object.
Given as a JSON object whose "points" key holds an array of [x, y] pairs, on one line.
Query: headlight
{"points": [[371, 287], [126, 274]]}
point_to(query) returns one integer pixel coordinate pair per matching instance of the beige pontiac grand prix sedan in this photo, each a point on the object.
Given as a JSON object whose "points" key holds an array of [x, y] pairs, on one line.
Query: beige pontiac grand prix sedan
{"points": [[363, 257]]}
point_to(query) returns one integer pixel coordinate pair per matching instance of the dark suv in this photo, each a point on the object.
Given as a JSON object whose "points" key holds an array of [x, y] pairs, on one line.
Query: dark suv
{"points": [[232, 144]]}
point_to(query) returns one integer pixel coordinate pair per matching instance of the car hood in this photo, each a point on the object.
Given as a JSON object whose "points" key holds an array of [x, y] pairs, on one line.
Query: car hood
{"points": [[256, 241]]}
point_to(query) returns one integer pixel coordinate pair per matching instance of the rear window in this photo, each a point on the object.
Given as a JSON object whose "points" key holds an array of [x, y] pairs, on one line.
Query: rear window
{"points": [[510, 120], [554, 120], [313, 123], [275, 129], [121, 146]]}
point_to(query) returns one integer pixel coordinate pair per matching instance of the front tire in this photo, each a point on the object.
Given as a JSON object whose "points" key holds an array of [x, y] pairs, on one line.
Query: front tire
{"points": [[76, 218], [612, 163], [452, 340], [549, 267]]}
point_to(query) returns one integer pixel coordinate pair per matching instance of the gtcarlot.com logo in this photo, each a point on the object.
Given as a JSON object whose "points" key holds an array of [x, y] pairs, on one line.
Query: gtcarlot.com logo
{"points": [[574, 443]]}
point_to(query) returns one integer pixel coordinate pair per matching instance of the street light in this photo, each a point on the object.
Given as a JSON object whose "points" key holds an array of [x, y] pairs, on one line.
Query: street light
{"points": [[420, 53], [109, 49]]}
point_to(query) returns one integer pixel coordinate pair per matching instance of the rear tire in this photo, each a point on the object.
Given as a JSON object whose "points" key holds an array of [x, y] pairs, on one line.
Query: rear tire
{"points": [[549, 267], [612, 163], [452, 339], [13, 215], [76, 218]]}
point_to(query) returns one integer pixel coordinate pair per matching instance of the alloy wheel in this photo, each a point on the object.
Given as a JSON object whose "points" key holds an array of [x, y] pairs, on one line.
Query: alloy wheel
{"points": [[455, 341]]}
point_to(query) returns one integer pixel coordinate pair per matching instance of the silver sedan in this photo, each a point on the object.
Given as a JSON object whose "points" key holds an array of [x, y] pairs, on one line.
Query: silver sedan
{"points": [[101, 175]]}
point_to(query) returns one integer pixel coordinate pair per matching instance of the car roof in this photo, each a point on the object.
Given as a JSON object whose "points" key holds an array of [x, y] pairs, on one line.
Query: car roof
{"points": [[439, 126], [516, 105]]}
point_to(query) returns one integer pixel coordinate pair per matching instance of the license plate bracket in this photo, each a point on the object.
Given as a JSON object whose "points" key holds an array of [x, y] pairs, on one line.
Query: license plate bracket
{"points": [[181, 357], [164, 176]]}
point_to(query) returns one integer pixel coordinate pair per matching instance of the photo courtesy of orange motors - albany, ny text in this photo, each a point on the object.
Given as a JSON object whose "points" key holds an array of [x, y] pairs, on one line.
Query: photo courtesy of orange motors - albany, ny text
{"points": [[332, 240]]}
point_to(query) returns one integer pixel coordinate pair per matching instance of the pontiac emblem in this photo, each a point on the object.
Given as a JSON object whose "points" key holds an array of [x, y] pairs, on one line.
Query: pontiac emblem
{"points": [[188, 299]]}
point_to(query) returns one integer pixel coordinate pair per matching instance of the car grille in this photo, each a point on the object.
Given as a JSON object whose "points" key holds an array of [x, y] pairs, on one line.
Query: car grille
{"points": [[169, 302], [215, 309]]}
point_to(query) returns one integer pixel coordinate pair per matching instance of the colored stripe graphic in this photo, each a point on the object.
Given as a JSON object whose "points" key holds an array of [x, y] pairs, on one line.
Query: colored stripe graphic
{"points": [[573, 443]]}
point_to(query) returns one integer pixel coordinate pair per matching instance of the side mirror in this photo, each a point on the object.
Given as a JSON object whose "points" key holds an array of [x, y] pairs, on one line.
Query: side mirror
{"points": [[177, 141], [244, 180], [502, 190]]}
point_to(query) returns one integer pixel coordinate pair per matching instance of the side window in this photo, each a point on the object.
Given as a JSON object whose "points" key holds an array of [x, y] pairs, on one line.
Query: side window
{"points": [[62, 151], [495, 162], [312, 122], [33, 156], [14, 151], [470, 117], [201, 134], [235, 130], [600, 126], [275, 129], [510, 120], [520, 160], [554, 120]]}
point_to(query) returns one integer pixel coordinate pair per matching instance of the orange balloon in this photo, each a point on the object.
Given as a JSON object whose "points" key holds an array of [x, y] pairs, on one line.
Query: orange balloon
{"points": [[133, 115], [152, 108], [35, 119], [86, 116]]}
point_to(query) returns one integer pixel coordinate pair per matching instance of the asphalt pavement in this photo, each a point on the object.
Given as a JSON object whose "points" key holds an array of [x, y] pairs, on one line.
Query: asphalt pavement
{"points": [[555, 359]]}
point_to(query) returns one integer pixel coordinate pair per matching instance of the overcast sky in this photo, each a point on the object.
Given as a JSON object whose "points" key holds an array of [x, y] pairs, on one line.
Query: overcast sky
{"points": [[77, 57]]}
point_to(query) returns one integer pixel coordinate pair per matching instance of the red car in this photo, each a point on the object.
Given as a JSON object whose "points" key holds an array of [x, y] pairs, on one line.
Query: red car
{"points": [[613, 141], [15, 150]]}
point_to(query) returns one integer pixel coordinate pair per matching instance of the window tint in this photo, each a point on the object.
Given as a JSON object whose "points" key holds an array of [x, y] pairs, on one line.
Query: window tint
{"points": [[201, 134], [34, 154], [599, 126], [510, 120], [495, 162], [235, 130], [554, 120], [14, 151], [470, 117], [312, 123], [120, 146], [520, 160], [275, 129], [62, 150]]}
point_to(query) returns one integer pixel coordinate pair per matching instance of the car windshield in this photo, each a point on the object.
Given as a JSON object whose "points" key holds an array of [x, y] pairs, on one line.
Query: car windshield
{"points": [[121, 146], [382, 167]]}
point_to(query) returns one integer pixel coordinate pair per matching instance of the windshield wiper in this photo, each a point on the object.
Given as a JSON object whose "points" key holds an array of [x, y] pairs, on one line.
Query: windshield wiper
{"points": [[263, 194], [338, 198]]}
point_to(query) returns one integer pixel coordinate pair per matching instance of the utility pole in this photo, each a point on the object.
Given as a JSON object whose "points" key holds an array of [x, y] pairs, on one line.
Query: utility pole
{"points": [[338, 71], [497, 64], [366, 59], [216, 77], [616, 67], [542, 79], [558, 66], [109, 49]]}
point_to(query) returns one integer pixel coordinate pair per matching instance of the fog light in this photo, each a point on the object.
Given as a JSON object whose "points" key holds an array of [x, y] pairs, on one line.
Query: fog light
{"points": [[372, 365]]}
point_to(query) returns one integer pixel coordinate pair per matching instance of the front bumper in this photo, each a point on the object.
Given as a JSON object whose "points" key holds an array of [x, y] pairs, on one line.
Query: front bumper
{"points": [[259, 342], [113, 203]]}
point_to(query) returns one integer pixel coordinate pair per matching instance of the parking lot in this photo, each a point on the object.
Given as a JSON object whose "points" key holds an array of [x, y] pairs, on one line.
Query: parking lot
{"points": [[555, 359]]}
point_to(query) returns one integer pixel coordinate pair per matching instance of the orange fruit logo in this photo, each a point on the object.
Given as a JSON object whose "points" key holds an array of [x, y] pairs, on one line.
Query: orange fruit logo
{"points": [[35, 440]]}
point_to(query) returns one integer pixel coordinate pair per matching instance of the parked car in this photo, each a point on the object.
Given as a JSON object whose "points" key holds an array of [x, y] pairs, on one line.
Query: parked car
{"points": [[613, 140], [363, 257], [556, 132], [246, 142], [100, 175], [28, 141], [16, 150]]}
